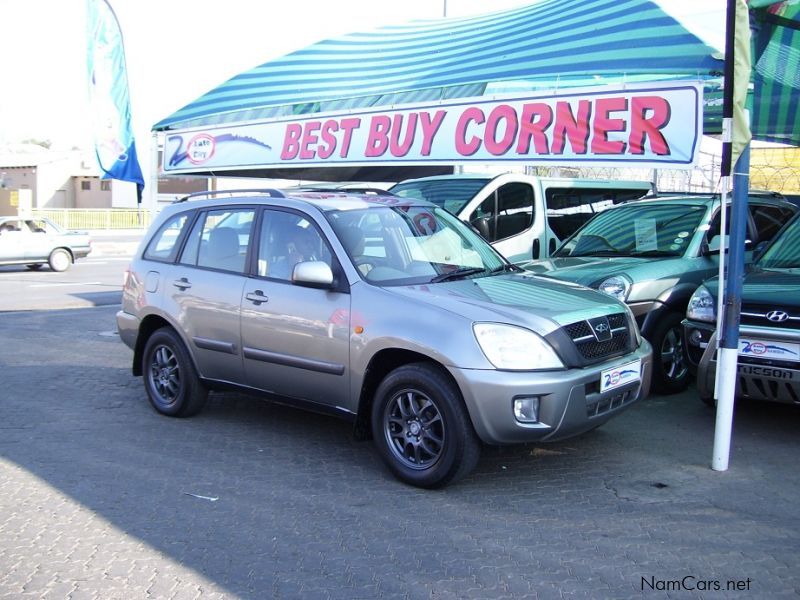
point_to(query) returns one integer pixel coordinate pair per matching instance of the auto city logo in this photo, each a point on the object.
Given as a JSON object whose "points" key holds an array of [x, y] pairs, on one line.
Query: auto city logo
{"points": [[777, 316]]}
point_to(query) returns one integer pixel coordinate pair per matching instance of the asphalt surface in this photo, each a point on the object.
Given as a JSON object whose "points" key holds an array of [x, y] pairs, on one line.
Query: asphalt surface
{"points": [[100, 497]]}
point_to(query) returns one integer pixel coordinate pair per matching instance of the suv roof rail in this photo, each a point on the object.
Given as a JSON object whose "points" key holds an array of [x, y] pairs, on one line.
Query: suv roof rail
{"points": [[272, 193], [715, 194]]}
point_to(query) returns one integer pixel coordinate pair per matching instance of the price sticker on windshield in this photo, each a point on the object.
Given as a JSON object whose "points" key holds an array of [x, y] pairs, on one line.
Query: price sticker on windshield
{"points": [[621, 375]]}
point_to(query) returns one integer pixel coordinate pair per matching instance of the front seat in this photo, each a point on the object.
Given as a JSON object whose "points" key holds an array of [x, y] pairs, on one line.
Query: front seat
{"points": [[222, 251]]}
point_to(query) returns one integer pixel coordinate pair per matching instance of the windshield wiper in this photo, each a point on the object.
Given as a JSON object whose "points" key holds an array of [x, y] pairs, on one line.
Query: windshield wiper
{"points": [[506, 268], [458, 274], [653, 253]]}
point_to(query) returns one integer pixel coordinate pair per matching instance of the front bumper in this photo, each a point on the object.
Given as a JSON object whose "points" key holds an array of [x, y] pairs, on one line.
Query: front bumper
{"points": [[570, 401], [756, 379]]}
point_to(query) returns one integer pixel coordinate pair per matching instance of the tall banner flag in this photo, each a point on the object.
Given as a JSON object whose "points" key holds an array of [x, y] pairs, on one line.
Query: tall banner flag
{"points": [[110, 104]]}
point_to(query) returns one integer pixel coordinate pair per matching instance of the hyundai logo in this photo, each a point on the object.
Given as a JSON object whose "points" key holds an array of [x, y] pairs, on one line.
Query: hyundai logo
{"points": [[777, 316]]}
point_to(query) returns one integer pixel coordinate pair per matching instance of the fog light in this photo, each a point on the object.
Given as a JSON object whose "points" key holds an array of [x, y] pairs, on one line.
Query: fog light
{"points": [[526, 409], [696, 337]]}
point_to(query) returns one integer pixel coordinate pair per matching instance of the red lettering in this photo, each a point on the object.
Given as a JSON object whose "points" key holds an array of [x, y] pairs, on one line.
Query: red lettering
{"points": [[429, 129], [649, 114], [536, 117], [328, 138], [348, 125], [309, 139], [464, 147], [395, 146], [572, 127], [499, 114], [604, 124], [291, 141], [378, 138]]}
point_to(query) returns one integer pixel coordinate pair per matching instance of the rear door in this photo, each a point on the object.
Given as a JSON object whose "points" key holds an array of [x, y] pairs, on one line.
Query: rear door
{"points": [[295, 339], [203, 290]]}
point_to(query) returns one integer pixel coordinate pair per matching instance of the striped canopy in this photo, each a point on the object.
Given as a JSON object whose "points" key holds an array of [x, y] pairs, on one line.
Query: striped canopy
{"points": [[545, 46]]}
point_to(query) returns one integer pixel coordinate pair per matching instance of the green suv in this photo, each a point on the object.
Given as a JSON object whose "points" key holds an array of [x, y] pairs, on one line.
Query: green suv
{"points": [[653, 254]]}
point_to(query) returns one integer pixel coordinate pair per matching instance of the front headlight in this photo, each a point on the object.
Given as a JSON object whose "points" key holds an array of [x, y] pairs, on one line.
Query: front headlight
{"points": [[702, 306], [616, 286], [515, 348]]}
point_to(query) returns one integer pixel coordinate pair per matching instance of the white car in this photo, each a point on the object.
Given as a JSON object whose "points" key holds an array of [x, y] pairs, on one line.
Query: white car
{"points": [[39, 241]]}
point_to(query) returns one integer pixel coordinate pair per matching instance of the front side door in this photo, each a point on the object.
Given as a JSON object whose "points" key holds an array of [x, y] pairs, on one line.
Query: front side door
{"points": [[506, 219], [203, 290], [295, 339]]}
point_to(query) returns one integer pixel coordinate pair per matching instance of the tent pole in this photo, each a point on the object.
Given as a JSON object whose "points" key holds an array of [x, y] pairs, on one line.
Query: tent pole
{"points": [[729, 342]]}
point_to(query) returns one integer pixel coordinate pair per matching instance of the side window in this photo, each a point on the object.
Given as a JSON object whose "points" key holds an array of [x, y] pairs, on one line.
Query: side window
{"points": [[483, 218], [219, 240], [514, 209], [287, 239], [768, 220], [163, 246]]}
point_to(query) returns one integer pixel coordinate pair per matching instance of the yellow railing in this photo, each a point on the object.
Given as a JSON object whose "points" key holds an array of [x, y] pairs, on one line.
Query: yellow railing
{"points": [[95, 218]]}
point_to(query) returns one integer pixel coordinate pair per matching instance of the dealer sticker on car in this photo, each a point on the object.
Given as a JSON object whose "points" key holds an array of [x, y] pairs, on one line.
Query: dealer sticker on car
{"points": [[769, 349], [621, 375]]}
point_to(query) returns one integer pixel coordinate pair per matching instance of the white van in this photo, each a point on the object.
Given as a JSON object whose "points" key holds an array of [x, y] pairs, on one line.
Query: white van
{"points": [[523, 216]]}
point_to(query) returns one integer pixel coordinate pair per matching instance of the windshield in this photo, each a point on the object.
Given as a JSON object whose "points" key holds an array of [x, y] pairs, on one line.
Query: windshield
{"points": [[784, 252], [451, 194], [412, 245], [636, 230]]}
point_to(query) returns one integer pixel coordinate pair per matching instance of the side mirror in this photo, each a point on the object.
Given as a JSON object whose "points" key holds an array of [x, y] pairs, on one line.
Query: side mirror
{"points": [[314, 273]]}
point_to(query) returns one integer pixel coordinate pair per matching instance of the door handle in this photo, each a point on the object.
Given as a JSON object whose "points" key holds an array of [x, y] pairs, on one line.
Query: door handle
{"points": [[182, 283], [257, 297]]}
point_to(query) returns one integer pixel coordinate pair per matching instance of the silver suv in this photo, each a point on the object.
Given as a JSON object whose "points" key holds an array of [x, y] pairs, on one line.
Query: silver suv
{"points": [[388, 312]]}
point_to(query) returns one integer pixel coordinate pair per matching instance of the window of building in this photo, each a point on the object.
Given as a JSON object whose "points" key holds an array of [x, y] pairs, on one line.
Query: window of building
{"points": [[86, 185], [105, 185]]}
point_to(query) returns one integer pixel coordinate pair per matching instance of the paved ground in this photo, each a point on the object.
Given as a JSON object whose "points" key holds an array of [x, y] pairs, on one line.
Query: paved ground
{"points": [[100, 497]]}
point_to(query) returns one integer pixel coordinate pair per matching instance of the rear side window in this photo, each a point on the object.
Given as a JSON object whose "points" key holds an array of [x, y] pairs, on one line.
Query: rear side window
{"points": [[769, 219], [164, 244], [219, 240], [569, 208]]}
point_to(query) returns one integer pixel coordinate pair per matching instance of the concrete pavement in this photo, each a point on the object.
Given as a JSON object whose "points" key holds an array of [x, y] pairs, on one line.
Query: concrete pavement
{"points": [[100, 497]]}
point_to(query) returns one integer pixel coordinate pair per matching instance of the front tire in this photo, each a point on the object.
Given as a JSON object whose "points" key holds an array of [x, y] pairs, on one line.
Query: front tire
{"points": [[670, 367], [59, 260], [170, 379], [421, 427]]}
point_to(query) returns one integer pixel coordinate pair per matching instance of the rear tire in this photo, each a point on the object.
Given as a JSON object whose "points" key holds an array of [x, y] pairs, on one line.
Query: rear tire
{"points": [[670, 367], [421, 427], [170, 379], [59, 260]]}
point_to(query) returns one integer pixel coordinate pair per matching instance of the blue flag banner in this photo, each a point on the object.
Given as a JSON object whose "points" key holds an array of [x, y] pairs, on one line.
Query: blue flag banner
{"points": [[115, 147]]}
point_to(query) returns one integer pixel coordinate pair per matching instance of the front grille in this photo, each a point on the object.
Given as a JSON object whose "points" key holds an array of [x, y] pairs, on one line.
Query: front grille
{"points": [[756, 315], [592, 350], [596, 405]]}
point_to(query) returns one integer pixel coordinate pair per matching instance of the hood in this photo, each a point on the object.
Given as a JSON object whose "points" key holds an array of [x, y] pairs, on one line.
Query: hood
{"points": [[519, 299], [775, 287], [586, 270]]}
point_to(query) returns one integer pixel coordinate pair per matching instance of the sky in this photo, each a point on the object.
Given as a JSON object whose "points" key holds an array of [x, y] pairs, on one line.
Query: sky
{"points": [[176, 50]]}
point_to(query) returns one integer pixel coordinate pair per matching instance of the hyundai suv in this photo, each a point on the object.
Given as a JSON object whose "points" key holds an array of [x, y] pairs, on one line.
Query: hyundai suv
{"points": [[653, 254], [769, 329], [388, 312]]}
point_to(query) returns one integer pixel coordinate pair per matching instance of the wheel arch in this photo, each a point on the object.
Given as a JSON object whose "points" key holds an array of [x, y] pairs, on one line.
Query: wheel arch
{"points": [[674, 299], [149, 325], [380, 365]]}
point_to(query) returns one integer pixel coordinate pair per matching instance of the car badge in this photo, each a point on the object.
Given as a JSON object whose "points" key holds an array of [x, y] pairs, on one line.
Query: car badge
{"points": [[777, 316], [600, 328]]}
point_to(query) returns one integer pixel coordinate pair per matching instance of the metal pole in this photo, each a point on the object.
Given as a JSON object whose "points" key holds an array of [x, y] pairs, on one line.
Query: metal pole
{"points": [[726, 377], [729, 343]]}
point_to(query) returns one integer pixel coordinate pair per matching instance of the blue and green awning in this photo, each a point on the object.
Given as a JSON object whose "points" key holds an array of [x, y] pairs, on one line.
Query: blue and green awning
{"points": [[550, 45]]}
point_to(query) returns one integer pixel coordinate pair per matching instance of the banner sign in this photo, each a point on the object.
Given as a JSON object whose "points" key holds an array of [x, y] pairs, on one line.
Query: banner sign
{"points": [[654, 126], [115, 146]]}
